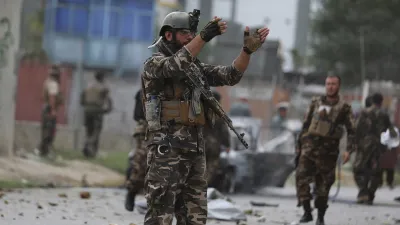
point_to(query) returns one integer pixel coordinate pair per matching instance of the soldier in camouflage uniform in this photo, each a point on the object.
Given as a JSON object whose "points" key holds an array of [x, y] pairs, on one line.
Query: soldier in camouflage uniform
{"points": [[215, 138], [371, 123], [53, 100], [96, 102], [137, 163], [175, 114], [318, 144]]}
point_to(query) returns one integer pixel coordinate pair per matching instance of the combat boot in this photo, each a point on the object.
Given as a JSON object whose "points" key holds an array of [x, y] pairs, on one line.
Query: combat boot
{"points": [[371, 198], [321, 215], [307, 216], [130, 201]]}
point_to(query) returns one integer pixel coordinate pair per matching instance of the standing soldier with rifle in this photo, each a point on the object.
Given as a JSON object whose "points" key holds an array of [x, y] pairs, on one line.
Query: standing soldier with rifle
{"points": [[96, 102], [319, 143], [137, 163], [178, 104]]}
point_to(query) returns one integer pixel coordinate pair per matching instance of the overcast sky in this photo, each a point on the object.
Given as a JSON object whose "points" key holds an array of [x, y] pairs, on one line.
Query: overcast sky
{"points": [[280, 13]]}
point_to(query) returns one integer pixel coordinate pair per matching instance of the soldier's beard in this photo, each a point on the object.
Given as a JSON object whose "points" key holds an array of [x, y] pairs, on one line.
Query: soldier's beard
{"points": [[334, 95], [174, 44]]}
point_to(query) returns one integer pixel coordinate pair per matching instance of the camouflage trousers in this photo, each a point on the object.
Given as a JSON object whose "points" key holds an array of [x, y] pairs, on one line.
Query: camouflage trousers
{"points": [[93, 125], [317, 164], [366, 171], [48, 128], [175, 183], [137, 164]]}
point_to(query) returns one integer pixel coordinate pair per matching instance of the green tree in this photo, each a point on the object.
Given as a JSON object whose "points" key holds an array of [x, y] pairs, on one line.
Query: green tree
{"points": [[34, 45], [338, 28], [297, 59]]}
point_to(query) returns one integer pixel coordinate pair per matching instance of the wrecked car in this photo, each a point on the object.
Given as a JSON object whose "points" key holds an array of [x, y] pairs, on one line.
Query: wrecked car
{"points": [[267, 162]]}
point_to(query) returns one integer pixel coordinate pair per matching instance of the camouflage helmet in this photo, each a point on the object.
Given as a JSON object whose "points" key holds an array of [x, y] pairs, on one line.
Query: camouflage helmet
{"points": [[175, 20]]}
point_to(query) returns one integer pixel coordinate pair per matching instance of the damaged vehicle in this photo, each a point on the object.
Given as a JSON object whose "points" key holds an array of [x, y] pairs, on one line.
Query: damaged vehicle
{"points": [[269, 161]]}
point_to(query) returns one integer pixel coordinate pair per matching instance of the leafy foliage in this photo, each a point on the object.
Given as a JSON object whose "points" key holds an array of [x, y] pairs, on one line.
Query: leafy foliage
{"points": [[337, 31]]}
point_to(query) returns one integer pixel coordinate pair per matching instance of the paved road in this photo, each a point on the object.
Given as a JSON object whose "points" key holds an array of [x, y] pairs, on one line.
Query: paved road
{"points": [[46, 207]]}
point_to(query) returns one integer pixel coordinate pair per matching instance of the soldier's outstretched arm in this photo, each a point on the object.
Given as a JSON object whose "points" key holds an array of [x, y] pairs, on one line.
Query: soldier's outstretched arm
{"points": [[350, 127], [232, 74]]}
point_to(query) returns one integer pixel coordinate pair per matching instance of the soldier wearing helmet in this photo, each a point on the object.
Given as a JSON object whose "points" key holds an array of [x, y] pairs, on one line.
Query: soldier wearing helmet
{"points": [[96, 102], [175, 179], [53, 100]]}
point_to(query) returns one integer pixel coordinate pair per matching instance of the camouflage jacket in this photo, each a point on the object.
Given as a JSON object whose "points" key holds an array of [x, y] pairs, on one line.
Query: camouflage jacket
{"points": [[163, 70], [371, 123], [215, 137], [340, 115]]}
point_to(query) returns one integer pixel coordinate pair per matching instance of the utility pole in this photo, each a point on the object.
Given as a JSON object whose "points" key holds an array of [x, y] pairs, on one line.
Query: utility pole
{"points": [[205, 8], [362, 54], [233, 10], [362, 58]]}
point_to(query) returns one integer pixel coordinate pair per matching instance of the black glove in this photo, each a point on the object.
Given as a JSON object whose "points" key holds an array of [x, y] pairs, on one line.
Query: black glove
{"points": [[251, 43], [211, 30]]}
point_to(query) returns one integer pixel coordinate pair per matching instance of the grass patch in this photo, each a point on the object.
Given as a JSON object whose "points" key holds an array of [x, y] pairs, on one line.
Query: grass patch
{"points": [[7, 184], [116, 161]]}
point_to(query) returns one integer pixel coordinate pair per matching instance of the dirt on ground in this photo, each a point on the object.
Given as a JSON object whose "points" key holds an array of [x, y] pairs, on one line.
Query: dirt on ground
{"points": [[57, 172]]}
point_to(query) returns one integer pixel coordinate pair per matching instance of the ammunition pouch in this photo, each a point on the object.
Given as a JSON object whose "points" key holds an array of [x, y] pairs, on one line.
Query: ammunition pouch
{"points": [[319, 127], [324, 128], [181, 112]]}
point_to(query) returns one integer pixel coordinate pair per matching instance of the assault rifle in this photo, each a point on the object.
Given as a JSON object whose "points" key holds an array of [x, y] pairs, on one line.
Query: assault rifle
{"points": [[194, 81]]}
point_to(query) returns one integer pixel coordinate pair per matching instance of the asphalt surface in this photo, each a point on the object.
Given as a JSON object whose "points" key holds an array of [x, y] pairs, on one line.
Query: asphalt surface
{"points": [[105, 206]]}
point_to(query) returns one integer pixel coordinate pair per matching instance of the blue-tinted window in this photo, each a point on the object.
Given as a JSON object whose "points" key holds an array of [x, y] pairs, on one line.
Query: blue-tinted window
{"points": [[127, 19], [96, 19], [98, 2], [119, 3], [79, 21], [61, 20], [127, 23], [73, 1], [114, 25], [144, 30]]}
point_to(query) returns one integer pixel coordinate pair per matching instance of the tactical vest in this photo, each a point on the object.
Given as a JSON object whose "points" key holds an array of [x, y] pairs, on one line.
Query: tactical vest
{"points": [[326, 119], [95, 98], [173, 102]]}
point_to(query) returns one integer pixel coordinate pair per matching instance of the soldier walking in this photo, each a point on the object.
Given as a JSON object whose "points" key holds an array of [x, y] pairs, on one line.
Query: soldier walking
{"points": [[176, 114], [137, 162], [53, 100], [366, 169], [318, 145], [96, 102], [215, 138]]}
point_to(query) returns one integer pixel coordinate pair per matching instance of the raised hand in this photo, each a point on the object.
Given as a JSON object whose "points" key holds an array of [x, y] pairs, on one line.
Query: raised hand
{"points": [[213, 28], [253, 42]]}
